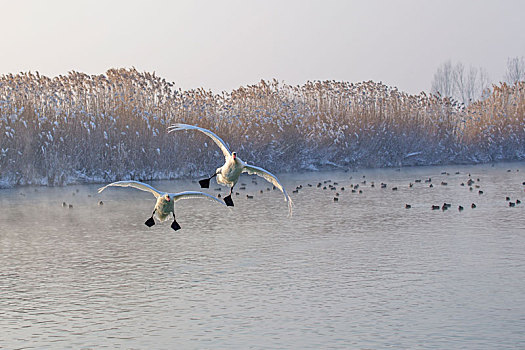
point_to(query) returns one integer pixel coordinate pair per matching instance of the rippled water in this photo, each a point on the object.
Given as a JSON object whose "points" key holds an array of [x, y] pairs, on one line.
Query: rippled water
{"points": [[363, 272]]}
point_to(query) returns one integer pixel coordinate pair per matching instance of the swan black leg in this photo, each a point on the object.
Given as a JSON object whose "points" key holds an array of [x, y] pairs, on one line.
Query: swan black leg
{"points": [[228, 199], [205, 183], [175, 225], [150, 222]]}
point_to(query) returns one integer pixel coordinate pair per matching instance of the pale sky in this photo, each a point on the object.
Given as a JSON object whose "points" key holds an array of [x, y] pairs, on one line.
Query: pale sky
{"points": [[222, 45]]}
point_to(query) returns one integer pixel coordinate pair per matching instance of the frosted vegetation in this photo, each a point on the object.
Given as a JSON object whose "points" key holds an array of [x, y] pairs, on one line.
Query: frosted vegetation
{"points": [[101, 128]]}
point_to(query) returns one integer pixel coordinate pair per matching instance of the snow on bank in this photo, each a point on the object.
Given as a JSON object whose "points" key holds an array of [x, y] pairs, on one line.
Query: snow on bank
{"points": [[101, 128]]}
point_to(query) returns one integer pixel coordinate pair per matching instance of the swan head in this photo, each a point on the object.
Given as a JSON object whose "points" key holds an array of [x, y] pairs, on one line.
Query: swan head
{"points": [[167, 197], [234, 155]]}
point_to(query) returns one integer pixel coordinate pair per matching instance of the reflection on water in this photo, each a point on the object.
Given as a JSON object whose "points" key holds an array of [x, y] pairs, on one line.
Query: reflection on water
{"points": [[363, 272]]}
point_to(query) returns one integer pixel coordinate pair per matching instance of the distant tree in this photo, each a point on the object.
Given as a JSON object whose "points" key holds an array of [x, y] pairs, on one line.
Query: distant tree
{"points": [[515, 70], [460, 83], [443, 81], [484, 83]]}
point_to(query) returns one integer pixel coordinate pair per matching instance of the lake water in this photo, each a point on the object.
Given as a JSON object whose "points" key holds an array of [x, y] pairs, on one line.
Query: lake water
{"points": [[360, 273]]}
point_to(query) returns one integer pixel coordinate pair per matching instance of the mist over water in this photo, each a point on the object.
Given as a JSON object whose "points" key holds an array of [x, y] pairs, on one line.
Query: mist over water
{"points": [[363, 272]]}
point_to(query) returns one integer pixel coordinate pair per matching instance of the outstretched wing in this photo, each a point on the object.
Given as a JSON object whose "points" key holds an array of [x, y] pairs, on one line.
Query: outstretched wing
{"points": [[194, 194], [215, 138], [252, 169], [139, 185]]}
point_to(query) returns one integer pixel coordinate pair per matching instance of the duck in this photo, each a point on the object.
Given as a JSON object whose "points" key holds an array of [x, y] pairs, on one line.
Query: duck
{"points": [[165, 201]]}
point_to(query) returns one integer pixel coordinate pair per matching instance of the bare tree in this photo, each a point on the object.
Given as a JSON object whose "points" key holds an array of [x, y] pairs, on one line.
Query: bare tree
{"points": [[461, 83], [515, 70], [484, 83], [443, 81]]}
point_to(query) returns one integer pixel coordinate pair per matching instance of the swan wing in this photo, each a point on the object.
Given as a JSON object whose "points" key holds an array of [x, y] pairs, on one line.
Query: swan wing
{"points": [[214, 137], [194, 194], [268, 176], [139, 185]]}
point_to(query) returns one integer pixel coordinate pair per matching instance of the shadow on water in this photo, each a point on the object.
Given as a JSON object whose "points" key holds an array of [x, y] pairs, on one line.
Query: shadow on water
{"points": [[362, 272]]}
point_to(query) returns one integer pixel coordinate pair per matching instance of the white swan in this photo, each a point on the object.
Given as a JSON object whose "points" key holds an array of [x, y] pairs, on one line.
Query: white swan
{"points": [[165, 201], [230, 172]]}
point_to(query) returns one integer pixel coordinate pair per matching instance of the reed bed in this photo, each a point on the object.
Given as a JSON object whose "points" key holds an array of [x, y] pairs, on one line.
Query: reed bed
{"points": [[98, 128]]}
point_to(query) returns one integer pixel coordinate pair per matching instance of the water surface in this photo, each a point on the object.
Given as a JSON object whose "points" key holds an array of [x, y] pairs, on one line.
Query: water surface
{"points": [[363, 272]]}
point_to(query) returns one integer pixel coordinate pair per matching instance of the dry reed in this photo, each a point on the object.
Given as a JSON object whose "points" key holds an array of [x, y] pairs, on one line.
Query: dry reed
{"points": [[92, 128]]}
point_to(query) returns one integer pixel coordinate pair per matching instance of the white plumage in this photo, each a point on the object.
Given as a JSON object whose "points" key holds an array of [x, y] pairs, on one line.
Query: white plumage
{"points": [[230, 172], [165, 200]]}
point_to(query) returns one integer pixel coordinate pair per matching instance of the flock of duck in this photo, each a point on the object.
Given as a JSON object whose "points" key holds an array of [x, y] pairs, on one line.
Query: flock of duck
{"points": [[471, 183], [226, 175]]}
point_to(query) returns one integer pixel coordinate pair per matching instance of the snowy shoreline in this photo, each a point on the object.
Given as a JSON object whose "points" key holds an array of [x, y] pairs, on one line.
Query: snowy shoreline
{"points": [[82, 179]]}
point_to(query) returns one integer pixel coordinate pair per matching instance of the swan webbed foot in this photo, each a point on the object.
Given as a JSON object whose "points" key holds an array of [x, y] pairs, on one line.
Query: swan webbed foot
{"points": [[205, 183], [175, 225], [228, 200], [150, 222]]}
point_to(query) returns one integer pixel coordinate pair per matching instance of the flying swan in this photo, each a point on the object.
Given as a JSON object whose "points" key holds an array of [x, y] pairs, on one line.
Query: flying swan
{"points": [[165, 201], [229, 173]]}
